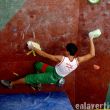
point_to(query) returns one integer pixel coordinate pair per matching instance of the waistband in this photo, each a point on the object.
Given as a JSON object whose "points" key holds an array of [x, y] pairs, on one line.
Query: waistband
{"points": [[56, 75]]}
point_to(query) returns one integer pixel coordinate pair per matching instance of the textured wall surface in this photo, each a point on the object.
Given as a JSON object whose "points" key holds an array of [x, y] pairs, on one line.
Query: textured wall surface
{"points": [[51, 23], [91, 85]]}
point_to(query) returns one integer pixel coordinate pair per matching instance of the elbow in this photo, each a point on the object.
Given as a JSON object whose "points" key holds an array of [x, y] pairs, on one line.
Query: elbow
{"points": [[93, 55]]}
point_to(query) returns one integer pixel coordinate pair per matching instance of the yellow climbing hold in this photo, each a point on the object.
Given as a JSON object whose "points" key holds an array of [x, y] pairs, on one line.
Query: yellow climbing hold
{"points": [[32, 51]]}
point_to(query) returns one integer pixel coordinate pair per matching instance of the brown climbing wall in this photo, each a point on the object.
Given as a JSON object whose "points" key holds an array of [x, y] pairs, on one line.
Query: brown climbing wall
{"points": [[91, 85], [52, 23]]}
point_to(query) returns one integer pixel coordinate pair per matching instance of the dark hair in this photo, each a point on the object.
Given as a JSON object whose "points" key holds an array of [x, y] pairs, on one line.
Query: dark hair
{"points": [[71, 48]]}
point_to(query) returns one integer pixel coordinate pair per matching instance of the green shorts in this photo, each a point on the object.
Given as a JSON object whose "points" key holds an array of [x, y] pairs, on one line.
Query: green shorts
{"points": [[47, 75]]}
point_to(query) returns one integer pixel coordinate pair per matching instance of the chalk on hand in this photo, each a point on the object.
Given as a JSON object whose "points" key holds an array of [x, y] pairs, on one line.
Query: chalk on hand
{"points": [[95, 34], [32, 45]]}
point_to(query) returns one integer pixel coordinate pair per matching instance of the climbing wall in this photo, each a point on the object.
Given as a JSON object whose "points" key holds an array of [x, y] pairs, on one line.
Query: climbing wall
{"points": [[51, 23], [92, 84]]}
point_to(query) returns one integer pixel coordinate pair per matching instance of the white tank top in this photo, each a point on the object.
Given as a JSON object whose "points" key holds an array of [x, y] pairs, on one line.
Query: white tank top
{"points": [[66, 66]]}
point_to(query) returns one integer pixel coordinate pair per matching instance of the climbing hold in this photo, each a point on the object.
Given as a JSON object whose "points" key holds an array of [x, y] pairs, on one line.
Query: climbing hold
{"points": [[96, 67], [29, 52], [16, 74], [31, 45], [94, 1], [14, 29], [32, 51], [95, 34]]}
